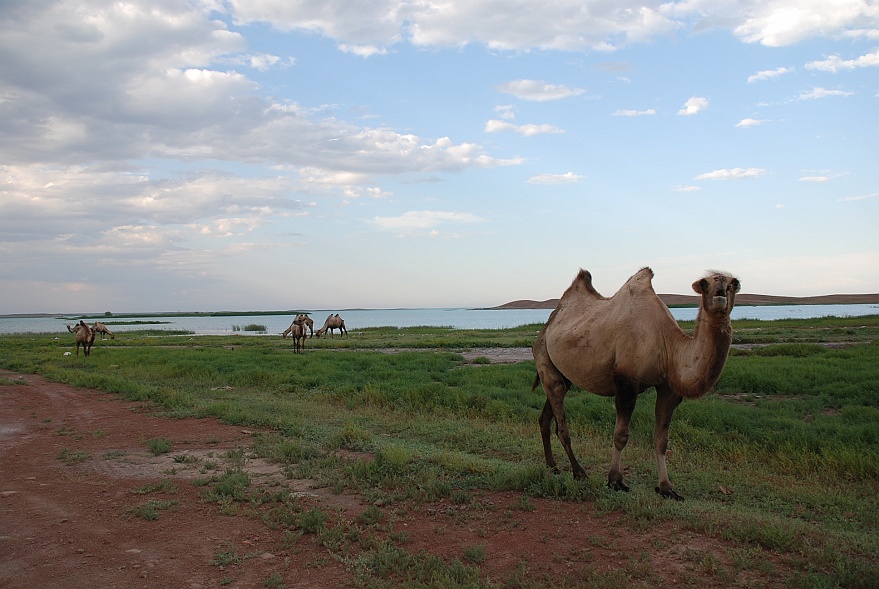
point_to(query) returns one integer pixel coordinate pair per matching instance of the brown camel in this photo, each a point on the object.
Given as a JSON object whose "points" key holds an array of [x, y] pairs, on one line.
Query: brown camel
{"points": [[309, 322], [623, 345], [333, 322], [297, 331], [84, 336], [99, 327]]}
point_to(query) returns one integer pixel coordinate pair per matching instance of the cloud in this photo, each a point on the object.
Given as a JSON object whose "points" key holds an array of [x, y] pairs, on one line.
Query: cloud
{"points": [[815, 179], [506, 112], [778, 23], [634, 113], [363, 50], [566, 178], [687, 188], [414, 220], [818, 93], [750, 123], [496, 126], [536, 91], [861, 197], [565, 26], [836, 63], [694, 105], [769, 74], [732, 174]]}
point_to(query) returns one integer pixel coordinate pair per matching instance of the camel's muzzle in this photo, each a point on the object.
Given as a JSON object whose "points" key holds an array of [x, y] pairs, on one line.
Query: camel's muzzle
{"points": [[718, 302]]}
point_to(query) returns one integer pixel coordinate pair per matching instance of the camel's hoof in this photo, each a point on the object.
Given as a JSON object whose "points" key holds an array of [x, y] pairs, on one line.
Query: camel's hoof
{"points": [[579, 475], [618, 486], [670, 494]]}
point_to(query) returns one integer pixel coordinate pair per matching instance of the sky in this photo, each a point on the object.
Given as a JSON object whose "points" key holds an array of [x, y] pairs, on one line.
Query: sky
{"points": [[171, 155]]}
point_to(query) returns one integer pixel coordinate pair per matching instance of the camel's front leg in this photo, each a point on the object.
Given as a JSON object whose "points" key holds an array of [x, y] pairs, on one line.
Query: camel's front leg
{"points": [[545, 422], [666, 403], [625, 399]]}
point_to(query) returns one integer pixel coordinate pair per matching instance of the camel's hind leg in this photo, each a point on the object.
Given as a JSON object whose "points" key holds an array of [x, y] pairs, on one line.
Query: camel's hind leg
{"points": [[556, 386]]}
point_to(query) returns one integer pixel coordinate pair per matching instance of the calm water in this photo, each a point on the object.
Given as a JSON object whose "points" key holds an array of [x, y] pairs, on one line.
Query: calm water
{"points": [[454, 318]]}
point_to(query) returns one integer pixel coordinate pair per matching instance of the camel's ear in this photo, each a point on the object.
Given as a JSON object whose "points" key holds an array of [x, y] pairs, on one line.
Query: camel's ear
{"points": [[700, 286], [735, 284]]}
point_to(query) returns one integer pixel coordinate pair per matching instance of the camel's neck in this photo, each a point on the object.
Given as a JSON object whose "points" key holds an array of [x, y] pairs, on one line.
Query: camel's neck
{"points": [[700, 359]]}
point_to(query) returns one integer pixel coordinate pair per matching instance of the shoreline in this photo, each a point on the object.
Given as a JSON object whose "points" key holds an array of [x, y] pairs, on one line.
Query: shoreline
{"points": [[670, 300]]}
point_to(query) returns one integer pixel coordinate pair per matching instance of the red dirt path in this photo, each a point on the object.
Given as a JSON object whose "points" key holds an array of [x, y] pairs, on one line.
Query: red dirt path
{"points": [[70, 525]]}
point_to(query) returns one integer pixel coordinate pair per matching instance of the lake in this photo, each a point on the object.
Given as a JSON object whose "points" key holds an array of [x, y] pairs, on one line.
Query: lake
{"points": [[360, 318]]}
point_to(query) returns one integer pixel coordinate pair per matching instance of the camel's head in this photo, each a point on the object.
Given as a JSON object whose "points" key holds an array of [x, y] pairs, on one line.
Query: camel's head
{"points": [[718, 291]]}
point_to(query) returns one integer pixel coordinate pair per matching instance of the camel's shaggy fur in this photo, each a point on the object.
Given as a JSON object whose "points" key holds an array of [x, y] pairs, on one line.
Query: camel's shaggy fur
{"points": [[623, 345]]}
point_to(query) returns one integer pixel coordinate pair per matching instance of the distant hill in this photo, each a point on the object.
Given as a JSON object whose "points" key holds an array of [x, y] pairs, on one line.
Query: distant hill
{"points": [[756, 300]]}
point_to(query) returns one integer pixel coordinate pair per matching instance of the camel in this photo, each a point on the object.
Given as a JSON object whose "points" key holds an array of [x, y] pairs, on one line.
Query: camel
{"points": [[623, 345], [333, 322], [84, 336], [308, 322], [297, 331], [99, 327]]}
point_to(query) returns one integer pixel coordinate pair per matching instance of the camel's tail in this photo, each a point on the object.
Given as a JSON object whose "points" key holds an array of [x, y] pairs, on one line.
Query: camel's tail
{"points": [[536, 382]]}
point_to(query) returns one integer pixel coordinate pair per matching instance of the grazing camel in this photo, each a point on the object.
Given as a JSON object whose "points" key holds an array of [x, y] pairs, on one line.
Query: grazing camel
{"points": [[623, 345], [297, 331], [333, 322], [99, 327], [84, 336]]}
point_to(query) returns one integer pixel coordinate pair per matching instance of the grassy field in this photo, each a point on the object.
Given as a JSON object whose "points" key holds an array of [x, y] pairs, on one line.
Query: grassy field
{"points": [[782, 457]]}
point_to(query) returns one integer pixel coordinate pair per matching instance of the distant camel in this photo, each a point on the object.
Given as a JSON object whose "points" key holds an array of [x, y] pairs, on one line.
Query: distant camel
{"points": [[621, 346], [84, 336], [102, 329], [308, 321], [333, 322], [297, 331]]}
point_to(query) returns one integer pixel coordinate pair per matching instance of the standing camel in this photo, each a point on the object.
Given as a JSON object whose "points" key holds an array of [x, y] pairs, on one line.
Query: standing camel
{"points": [[84, 336], [309, 322], [297, 331], [623, 345], [99, 327], [333, 322]]}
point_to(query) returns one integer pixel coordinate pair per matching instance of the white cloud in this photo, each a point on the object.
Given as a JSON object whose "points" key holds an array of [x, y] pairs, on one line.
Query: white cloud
{"points": [[817, 93], [537, 91], [777, 23], [687, 188], [769, 74], [363, 50], [732, 174], [506, 111], [694, 105], [565, 25], [496, 126], [413, 220], [836, 63], [566, 178], [750, 123], [860, 197], [815, 179], [634, 113]]}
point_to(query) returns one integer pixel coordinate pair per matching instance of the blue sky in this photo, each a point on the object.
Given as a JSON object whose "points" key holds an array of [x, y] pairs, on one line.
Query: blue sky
{"points": [[175, 156]]}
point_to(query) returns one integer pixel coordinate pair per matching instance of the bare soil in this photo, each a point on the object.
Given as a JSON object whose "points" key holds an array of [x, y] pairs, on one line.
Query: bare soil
{"points": [[73, 461]]}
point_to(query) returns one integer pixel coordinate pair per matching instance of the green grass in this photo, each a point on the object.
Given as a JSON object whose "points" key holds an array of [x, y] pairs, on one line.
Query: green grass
{"points": [[782, 457]]}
